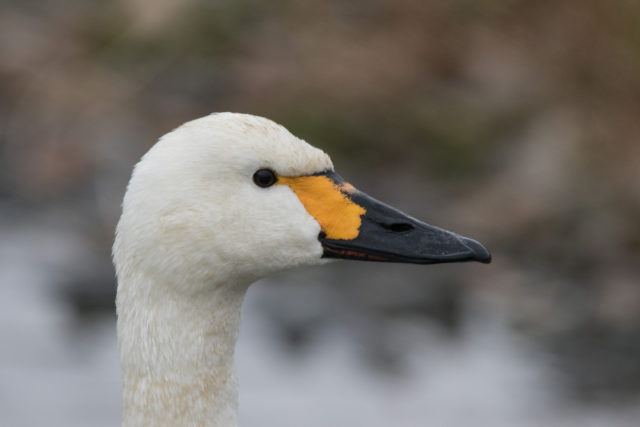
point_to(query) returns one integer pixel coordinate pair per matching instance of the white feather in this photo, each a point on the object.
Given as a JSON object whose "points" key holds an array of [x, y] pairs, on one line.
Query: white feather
{"points": [[195, 232]]}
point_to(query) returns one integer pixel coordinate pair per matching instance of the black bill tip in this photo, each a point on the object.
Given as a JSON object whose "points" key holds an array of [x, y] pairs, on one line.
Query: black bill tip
{"points": [[478, 252]]}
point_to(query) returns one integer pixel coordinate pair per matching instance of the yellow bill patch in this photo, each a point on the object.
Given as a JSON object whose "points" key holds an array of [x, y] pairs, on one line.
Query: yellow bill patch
{"points": [[339, 217]]}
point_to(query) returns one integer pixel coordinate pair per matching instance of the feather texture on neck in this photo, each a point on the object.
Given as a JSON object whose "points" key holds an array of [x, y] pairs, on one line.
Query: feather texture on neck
{"points": [[177, 355]]}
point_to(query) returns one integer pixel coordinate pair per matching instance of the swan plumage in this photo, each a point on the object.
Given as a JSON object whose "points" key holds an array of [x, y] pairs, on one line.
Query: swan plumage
{"points": [[196, 231]]}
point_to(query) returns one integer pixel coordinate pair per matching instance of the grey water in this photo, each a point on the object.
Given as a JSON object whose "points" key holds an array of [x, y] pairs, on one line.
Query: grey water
{"points": [[59, 367]]}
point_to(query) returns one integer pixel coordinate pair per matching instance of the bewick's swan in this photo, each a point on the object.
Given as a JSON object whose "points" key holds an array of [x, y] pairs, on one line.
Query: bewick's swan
{"points": [[213, 206]]}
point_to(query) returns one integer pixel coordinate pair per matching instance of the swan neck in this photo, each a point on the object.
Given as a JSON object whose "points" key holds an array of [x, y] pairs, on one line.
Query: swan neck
{"points": [[176, 354]]}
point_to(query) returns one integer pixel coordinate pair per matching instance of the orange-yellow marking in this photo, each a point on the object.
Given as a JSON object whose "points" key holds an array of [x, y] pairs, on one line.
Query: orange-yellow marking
{"points": [[338, 216]]}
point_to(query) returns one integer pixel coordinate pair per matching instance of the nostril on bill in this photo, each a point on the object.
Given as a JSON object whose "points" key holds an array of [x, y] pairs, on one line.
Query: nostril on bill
{"points": [[397, 227]]}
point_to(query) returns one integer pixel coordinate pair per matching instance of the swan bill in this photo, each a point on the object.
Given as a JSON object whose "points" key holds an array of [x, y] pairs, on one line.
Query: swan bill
{"points": [[358, 227]]}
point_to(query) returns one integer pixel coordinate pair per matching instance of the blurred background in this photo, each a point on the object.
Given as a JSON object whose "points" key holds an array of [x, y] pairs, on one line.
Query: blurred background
{"points": [[510, 121]]}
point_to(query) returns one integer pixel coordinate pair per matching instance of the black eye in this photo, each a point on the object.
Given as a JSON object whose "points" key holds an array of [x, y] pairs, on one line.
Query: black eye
{"points": [[264, 178]]}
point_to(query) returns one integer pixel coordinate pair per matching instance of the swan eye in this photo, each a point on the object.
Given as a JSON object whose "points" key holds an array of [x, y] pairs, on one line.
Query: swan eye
{"points": [[264, 178]]}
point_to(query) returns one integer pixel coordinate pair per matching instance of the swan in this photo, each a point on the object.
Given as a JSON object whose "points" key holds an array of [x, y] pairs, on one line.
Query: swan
{"points": [[213, 206]]}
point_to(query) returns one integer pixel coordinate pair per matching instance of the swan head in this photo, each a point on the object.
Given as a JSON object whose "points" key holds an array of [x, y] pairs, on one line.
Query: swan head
{"points": [[234, 197]]}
